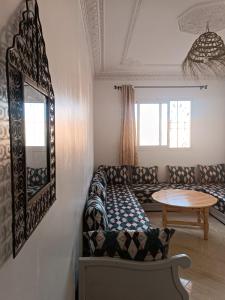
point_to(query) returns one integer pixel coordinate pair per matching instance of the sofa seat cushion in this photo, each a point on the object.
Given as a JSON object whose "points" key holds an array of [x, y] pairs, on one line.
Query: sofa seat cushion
{"points": [[144, 192], [148, 245], [218, 191], [123, 210], [187, 186]]}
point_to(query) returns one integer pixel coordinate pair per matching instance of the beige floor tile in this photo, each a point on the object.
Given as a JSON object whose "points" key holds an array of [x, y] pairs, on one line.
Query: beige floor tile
{"points": [[207, 272]]}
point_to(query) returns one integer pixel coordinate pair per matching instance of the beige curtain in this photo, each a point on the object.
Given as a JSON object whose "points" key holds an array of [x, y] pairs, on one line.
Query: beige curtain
{"points": [[128, 151]]}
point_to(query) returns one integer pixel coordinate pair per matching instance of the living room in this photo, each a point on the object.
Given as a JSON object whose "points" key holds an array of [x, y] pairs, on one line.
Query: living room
{"points": [[113, 183]]}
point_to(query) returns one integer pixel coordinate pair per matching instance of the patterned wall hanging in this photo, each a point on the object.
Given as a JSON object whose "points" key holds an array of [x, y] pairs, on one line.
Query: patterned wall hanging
{"points": [[27, 62]]}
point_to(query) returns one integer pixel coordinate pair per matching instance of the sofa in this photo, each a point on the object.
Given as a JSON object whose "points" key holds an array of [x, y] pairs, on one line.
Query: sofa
{"points": [[121, 249], [206, 178]]}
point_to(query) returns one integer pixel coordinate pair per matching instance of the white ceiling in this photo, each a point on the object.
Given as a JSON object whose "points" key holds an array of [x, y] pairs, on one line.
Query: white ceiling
{"points": [[138, 37]]}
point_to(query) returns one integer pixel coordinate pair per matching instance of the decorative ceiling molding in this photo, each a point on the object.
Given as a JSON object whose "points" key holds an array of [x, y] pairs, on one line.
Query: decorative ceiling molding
{"points": [[130, 31], [93, 16], [196, 18], [134, 76]]}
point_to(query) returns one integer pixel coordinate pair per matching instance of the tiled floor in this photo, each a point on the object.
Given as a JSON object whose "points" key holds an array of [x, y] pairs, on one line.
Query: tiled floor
{"points": [[208, 257]]}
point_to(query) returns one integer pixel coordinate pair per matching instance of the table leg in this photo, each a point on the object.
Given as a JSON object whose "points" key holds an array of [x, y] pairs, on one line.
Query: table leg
{"points": [[199, 216], [206, 222], [164, 211]]}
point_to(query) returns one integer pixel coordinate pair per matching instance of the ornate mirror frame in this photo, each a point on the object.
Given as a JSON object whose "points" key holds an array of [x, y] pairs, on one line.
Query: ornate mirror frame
{"points": [[27, 62]]}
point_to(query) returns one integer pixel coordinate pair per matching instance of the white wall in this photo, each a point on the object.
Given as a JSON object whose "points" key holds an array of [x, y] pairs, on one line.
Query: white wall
{"points": [[45, 267], [207, 132]]}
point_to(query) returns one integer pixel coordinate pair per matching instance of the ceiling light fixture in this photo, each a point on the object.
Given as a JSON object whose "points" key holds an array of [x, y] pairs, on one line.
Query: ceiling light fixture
{"points": [[207, 54]]}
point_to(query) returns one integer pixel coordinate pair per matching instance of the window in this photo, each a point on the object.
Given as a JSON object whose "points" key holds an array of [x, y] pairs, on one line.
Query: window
{"points": [[35, 124], [164, 124]]}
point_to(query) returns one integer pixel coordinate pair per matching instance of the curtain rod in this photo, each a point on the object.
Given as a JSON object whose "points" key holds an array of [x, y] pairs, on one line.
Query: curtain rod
{"points": [[201, 87]]}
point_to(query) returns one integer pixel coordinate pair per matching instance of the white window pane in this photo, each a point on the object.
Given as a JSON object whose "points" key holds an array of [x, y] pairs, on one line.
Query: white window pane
{"points": [[173, 124], [149, 124], [180, 123], [183, 112], [173, 111], [35, 124], [183, 137], [164, 125]]}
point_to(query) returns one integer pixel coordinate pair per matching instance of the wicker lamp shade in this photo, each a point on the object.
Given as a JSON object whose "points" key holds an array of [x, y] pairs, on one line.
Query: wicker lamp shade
{"points": [[207, 55]]}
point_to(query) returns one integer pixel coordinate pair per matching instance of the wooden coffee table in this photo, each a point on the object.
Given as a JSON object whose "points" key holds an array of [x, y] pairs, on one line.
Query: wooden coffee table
{"points": [[186, 200]]}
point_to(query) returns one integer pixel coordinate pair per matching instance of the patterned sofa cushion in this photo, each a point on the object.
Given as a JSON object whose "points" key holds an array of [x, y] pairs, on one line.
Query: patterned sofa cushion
{"points": [[100, 175], [218, 191], [135, 245], [144, 175], [117, 174], [36, 176], [124, 211], [179, 174], [95, 216], [96, 188], [211, 174], [144, 192]]}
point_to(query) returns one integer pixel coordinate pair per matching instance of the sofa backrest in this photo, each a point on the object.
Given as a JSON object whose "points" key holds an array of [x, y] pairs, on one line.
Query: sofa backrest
{"points": [[152, 244]]}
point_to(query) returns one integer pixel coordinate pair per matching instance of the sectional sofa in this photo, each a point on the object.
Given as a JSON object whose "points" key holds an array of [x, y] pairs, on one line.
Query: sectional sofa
{"points": [[209, 179], [116, 226]]}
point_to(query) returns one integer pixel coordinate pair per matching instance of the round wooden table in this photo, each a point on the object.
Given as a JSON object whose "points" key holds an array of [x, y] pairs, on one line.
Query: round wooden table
{"points": [[186, 200]]}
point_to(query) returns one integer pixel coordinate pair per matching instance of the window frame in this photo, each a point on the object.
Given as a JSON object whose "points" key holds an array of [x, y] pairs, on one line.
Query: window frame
{"points": [[160, 102]]}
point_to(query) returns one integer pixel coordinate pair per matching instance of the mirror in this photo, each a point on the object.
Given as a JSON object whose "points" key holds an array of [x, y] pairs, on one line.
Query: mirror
{"points": [[36, 138], [31, 106]]}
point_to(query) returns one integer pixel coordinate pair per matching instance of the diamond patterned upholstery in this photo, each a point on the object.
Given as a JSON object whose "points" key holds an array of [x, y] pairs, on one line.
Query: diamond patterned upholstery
{"points": [[184, 175], [145, 175], [117, 174], [123, 209], [36, 176], [212, 174], [135, 245], [144, 192], [218, 191], [96, 188], [95, 216]]}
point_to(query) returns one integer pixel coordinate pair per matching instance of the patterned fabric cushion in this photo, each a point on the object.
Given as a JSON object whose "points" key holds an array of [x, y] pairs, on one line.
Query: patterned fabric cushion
{"points": [[117, 174], [218, 191], [212, 174], [36, 177], [135, 245], [95, 216], [98, 189], [144, 192], [182, 174], [124, 211], [145, 175], [100, 175]]}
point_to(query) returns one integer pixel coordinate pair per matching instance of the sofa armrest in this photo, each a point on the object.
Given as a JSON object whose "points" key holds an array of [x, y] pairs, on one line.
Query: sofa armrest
{"points": [[110, 278]]}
